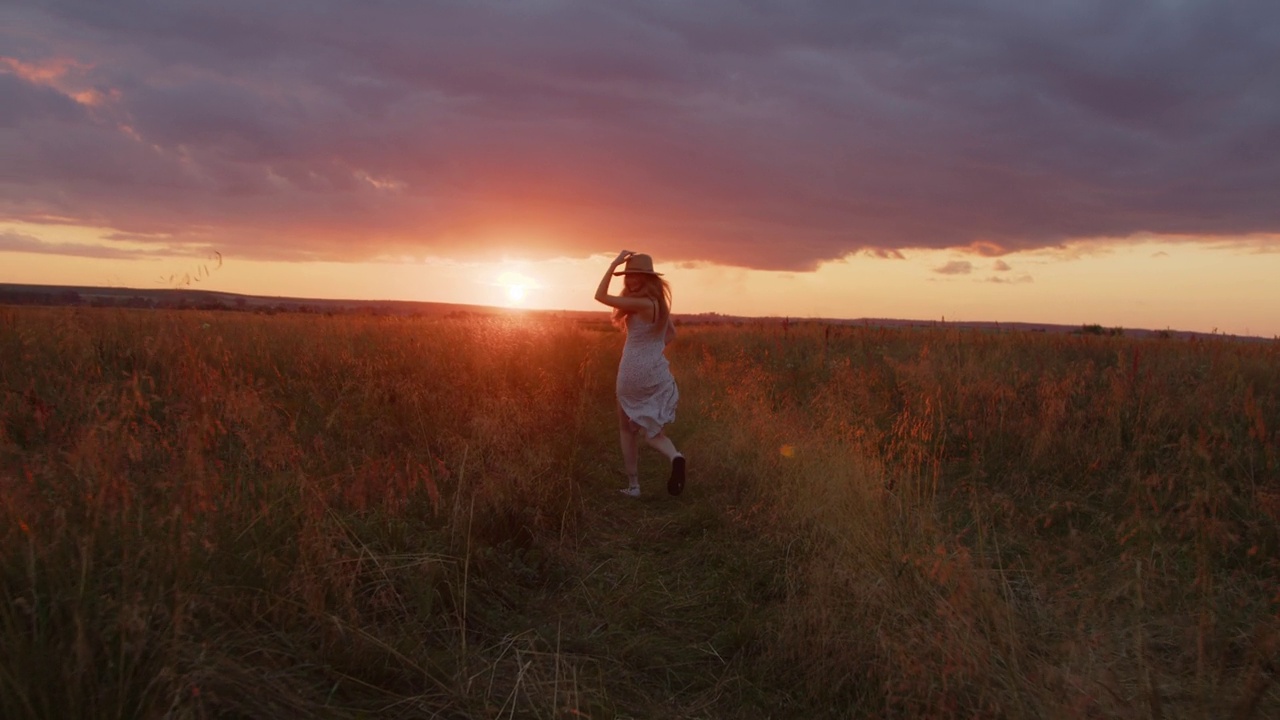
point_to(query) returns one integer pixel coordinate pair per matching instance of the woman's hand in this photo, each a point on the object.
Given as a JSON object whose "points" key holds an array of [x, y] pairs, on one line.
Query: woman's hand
{"points": [[602, 292]]}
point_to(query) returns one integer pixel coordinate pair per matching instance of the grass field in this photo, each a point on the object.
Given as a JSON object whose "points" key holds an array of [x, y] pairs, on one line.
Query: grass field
{"points": [[216, 514]]}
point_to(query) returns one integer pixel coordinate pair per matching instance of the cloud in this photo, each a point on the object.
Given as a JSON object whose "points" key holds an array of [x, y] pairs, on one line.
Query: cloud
{"points": [[986, 248], [765, 135], [1001, 266], [19, 242], [885, 254], [1018, 280], [955, 267], [13, 241], [136, 237]]}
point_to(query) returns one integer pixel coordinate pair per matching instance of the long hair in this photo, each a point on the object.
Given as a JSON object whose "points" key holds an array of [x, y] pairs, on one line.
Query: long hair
{"points": [[654, 287]]}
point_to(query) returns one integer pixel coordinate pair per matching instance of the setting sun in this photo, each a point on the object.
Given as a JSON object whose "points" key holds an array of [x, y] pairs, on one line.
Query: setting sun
{"points": [[517, 286]]}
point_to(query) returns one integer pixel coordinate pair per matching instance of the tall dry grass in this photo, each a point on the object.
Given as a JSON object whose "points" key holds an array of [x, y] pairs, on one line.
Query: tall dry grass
{"points": [[262, 516], [265, 516], [1015, 525]]}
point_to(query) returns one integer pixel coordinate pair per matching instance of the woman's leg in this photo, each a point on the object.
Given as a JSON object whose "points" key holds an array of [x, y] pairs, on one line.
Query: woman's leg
{"points": [[627, 437], [663, 444]]}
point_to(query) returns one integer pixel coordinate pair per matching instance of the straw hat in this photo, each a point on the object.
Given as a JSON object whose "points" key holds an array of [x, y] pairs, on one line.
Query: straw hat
{"points": [[638, 264]]}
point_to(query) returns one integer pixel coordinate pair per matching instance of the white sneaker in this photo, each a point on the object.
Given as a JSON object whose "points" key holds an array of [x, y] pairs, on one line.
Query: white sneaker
{"points": [[631, 492]]}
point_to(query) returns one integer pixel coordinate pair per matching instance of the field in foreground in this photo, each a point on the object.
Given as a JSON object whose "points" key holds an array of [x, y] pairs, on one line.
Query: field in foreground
{"points": [[226, 515]]}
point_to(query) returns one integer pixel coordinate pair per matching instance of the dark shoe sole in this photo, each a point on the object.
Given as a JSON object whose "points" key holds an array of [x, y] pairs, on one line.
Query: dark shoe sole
{"points": [[675, 485]]}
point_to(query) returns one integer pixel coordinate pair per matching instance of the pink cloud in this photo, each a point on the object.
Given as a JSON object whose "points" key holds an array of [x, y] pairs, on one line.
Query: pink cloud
{"points": [[955, 267], [1018, 280], [20, 242]]}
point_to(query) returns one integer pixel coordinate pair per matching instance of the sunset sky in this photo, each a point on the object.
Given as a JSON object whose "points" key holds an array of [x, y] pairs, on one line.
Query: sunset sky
{"points": [[1082, 161]]}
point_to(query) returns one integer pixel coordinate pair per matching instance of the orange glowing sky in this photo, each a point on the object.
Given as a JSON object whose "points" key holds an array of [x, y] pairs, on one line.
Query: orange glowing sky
{"points": [[1066, 163]]}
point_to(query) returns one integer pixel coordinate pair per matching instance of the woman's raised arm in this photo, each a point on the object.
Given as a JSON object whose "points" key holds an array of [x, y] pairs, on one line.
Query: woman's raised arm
{"points": [[629, 304]]}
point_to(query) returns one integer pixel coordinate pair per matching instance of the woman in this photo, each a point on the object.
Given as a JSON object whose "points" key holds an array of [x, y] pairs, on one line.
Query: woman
{"points": [[647, 393]]}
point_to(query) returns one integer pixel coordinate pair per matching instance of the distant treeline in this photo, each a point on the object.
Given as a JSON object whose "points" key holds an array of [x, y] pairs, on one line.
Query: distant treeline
{"points": [[181, 302], [201, 300], [183, 299]]}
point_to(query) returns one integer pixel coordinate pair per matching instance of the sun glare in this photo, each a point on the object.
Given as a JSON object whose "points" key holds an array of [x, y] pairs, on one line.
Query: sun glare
{"points": [[517, 286]]}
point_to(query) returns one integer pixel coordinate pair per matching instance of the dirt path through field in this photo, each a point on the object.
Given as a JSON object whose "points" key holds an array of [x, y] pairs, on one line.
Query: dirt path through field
{"points": [[662, 600]]}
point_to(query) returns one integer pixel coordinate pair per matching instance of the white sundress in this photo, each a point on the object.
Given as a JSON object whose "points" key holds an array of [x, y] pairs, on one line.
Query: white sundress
{"points": [[646, 390]]}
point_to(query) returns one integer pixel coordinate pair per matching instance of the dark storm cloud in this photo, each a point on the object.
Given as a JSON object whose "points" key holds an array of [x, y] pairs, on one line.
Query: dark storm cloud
{"points": [[764, 134]]}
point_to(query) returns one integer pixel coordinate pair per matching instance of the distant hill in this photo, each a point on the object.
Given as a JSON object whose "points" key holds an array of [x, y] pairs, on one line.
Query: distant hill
{"points": [[16, 294], [189, 298]]}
